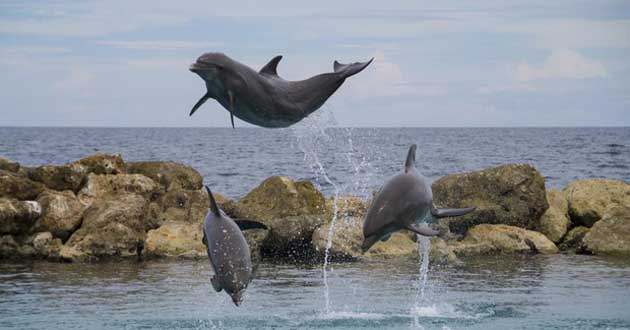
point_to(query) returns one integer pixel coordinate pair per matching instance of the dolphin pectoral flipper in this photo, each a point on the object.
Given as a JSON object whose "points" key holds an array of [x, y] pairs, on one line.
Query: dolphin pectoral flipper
{"points": [[231, 96], [201, 101], [249, 224], [215, 284], [443, 213], [351, 69], [424, 231]]}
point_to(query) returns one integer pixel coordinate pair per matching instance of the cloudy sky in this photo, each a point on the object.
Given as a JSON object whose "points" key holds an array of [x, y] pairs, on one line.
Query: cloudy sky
{"points": [[437, 63]]}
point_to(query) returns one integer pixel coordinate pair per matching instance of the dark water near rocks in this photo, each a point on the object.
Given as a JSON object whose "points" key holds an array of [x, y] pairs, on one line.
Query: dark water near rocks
{"points": [[529, 292], [357, 159]]}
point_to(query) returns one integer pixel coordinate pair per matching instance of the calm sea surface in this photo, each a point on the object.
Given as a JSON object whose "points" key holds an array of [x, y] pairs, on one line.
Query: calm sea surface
{"points": [[354, 160], [530, 292]]}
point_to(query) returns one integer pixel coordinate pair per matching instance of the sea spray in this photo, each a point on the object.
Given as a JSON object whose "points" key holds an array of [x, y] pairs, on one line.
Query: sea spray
{"points": [[424, 247]]}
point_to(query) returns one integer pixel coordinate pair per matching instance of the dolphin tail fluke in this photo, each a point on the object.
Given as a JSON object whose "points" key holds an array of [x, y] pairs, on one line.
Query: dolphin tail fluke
{"points": [[443, 213], [348, 70], [201, 101], [213, 203], [424, 231], [249, 224]]}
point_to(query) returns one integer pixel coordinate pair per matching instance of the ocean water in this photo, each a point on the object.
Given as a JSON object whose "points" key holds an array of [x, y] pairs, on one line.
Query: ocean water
{"points": [[528, 292], [357, 159]]}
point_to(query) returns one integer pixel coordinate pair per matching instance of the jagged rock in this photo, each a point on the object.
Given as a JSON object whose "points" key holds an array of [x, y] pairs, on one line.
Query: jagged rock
{"points": [[185, 205], [61, 213], [171, 175], [494, 239], [349, 206], [16, 217], [100, 186], [509, 194], [279, 197], [228, 206], [14, 185], [441, 252], [290, 236], [347, 239], [573, 240], [588, 199], [101, 163], [176, 239], [46, 245], [554, 223], [611, 234], [61, 177], [8, 165], [8, 247], [112, 226]]}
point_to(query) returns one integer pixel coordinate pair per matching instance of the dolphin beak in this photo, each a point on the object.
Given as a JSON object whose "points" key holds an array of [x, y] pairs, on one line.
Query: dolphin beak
{"points": [[237, 298]]}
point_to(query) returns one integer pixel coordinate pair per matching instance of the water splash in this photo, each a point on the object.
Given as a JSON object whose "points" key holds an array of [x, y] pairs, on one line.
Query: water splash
{"points": [[316, 138], [424, 247]]}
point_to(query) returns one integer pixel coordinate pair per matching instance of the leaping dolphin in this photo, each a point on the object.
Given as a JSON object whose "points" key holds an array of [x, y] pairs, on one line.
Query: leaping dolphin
{"points": [[405, 201], [230, 261], [263, 98]]}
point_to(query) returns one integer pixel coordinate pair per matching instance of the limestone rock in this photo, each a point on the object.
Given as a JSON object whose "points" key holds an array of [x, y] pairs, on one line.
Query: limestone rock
{"points": [[509, 194], [495, 239], [112, 226], [290, 236], [588, 199], [573, 240], [17, 217], [279, 197], [349, 206], [554, 223], [61, 213], [8, 165], [185, 205], [46, 246], [101, 163], [171, 175], [61, 177], [8, 247], [14, 185], [611, 234], [176, 239], [100, 186]]}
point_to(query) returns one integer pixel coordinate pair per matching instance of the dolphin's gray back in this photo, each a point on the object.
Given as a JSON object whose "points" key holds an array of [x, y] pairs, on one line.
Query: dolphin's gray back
{"points": [[403, 199], [228, 253]]}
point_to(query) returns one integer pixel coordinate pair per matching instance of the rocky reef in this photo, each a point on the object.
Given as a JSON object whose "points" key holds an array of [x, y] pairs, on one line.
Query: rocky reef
{"points": [[101, 207]]}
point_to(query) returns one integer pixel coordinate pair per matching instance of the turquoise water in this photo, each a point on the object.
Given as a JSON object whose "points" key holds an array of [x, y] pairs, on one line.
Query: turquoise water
{"points": [[528, 292]]}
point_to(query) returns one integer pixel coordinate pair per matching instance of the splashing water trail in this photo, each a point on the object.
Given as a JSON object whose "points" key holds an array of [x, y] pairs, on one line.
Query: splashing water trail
{"points": [[424, 247], [316, 142]]}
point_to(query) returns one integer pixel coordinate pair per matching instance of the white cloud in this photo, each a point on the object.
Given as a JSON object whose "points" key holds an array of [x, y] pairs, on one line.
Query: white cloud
{"points": [[381, 78], [158, 44], [562, 64]]}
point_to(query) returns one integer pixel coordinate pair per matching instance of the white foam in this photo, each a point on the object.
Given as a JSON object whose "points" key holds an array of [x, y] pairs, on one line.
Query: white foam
{"points": [[351, 315], [443, 310]]}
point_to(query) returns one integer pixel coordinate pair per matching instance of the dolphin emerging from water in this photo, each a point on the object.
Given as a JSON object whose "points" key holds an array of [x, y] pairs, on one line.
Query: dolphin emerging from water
{"points": [[263, 98], [228, 251], [405, 201]]}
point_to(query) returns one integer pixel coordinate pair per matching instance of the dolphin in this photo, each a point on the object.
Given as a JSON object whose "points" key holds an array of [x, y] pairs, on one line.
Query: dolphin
{"points": [[228, 251], [263, 98], [405, 201]]}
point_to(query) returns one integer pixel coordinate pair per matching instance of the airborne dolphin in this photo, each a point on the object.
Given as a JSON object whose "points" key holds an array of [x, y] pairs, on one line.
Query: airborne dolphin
{"points": [[402, 203], [263, 98], [228, 251]]}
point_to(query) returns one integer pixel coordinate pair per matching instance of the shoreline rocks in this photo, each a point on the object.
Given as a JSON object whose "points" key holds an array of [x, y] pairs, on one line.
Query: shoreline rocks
{"points": [[100, 207]]}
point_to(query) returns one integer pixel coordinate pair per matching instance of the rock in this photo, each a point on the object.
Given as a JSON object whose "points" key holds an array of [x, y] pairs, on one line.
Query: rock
{"points": [[588, 199], [61, 213], [14, 185], [279, 197], [573, 240], [112, 226], [100, 186], [17, 217], [8, 247], [62, 177], [495, 239], [442, 252], [349, 206], [171, 175], [554, 223], [290, 237], [8, 165], [228, 206], [176, 239], [185, 205], [347, 239], [611, 234], [509, 194], [46, 245], [101, 163]]}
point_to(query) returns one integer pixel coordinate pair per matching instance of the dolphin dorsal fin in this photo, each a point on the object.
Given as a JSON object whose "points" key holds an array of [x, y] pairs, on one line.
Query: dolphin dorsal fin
{"points": [[411, 158], [271, 68], [213, 204]]}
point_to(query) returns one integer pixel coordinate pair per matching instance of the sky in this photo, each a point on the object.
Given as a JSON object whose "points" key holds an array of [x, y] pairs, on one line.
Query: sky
{"points": [[437, 63]]}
